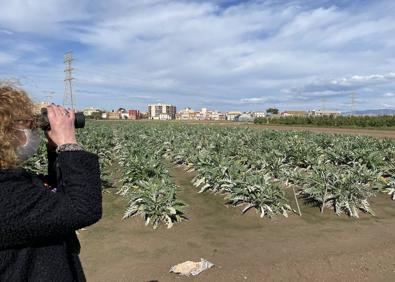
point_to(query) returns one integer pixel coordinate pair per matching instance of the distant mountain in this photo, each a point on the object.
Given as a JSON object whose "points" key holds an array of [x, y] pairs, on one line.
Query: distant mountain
{"points": [[378, 112]]}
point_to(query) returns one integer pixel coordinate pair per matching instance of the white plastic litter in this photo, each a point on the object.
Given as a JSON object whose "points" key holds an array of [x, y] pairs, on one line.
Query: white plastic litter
{"points": [[190, 267]]}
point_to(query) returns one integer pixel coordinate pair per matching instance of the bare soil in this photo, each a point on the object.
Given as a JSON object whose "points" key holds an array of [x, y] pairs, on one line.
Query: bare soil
{"points": [[313, 247]]}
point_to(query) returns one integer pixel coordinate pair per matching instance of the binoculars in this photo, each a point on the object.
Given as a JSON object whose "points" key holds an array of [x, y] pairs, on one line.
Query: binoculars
{"points": [[44, 124]]}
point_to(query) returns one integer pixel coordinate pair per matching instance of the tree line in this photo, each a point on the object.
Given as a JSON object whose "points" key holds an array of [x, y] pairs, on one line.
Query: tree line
{"points": [[339, 121]]}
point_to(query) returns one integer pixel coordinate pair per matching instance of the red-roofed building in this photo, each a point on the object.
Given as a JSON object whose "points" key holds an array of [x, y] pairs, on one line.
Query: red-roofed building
{"points": [[134, 114]]}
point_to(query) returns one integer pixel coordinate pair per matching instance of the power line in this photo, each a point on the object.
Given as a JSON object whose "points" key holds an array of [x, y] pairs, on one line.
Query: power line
{"points": [[68, 100]]}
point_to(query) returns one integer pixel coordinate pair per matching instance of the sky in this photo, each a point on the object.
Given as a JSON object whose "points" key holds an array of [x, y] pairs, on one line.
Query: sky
{"points": [[220, 54]]}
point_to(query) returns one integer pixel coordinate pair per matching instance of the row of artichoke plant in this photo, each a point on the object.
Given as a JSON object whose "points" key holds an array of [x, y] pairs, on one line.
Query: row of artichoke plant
{"points": [[145, 181], [330, 171], [253, 168]]}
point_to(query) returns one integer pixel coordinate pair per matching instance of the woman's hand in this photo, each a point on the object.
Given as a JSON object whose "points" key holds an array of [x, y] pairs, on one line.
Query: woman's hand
{"points": [[62, 126]]}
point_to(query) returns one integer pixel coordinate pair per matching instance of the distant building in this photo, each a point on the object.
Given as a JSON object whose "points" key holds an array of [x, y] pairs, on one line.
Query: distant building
{"points": [[144, 115], [204, 114], [319, 113], [294, 114], [124, 115], [134, 114], [165, 117], [258, 114], [186, 114], [246, 117], [200, 116], [90, 111], [113, 115], [232, 115], [217, 116], [162, 111]]}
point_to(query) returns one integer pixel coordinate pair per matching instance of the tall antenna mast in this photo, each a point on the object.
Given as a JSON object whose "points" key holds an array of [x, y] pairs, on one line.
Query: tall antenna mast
{"points": [[68, 100]]}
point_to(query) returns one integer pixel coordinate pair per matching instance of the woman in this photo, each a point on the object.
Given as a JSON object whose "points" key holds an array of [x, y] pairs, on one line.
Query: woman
{"points": [[37, 224]]}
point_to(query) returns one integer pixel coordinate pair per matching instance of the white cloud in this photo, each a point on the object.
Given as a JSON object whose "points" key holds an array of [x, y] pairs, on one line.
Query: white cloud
{"points": [[345, 84], [7, 32], [192, 52], [6, 58], [388, 106], [255, 100], [367, 79], [40, 17]]}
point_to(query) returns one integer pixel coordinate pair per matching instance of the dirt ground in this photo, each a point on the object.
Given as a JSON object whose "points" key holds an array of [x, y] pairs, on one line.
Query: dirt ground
{"points": [[313, 247]]}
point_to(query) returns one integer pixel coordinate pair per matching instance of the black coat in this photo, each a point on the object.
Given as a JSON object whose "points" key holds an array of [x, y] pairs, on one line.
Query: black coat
{"points": [[37, 226]]}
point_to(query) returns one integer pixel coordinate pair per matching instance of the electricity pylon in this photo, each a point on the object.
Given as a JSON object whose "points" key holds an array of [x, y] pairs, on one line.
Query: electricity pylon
{"points": [[68, 100]]}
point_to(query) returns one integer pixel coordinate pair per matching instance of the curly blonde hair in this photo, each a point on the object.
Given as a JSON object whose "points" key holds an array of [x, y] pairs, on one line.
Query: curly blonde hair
{"points": [[15, 105]]}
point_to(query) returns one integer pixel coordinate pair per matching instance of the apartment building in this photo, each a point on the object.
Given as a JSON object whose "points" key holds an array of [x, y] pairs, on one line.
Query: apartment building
{"points": [[162, 111]]}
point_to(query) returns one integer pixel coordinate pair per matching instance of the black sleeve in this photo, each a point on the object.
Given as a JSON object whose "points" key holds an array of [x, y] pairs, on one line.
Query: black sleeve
{"points": [[32, 213], [52, 160]]}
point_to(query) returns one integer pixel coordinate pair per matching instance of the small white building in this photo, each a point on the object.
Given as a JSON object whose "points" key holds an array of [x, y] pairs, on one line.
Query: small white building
{"points": [[246, 117], [259, 114], [89, 111], [186, 114], [232, 115], [294, 113], [164, 117], [217, 116], [124, 115], [320, 113]]}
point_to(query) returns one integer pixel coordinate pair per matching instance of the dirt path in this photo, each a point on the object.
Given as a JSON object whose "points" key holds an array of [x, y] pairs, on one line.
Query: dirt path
{"points": [[243, 247]]}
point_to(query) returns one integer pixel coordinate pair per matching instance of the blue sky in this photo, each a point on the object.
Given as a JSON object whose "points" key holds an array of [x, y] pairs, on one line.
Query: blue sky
{"points": [[224, 55]]}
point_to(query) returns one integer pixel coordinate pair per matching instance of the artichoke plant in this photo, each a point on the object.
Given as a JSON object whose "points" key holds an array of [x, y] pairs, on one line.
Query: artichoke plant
{"points": [[156, 202], [249, 167]]}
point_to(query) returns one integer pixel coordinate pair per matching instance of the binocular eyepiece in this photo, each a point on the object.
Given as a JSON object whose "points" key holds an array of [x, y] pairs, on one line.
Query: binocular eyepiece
{"points": [[43, 121]]}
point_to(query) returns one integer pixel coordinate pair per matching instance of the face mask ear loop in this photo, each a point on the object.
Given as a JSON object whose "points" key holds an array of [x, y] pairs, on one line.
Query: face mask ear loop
{"points": [[32, 144], [23, 130]]}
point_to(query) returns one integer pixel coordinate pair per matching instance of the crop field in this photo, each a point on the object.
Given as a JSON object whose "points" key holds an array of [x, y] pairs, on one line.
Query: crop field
{"points": [[157, 172], [250, 168]]}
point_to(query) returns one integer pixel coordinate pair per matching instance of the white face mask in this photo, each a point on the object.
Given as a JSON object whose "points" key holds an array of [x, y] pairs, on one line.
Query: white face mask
{"points": [[31, 146]]}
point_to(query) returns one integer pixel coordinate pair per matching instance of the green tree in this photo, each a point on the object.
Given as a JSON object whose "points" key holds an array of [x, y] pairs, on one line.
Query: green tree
{"points": [[273, 111], [96, 115]]}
